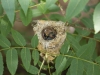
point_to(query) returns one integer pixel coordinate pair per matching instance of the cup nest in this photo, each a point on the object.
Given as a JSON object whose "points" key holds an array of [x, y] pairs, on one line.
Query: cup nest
{"points": [[51, 35]]}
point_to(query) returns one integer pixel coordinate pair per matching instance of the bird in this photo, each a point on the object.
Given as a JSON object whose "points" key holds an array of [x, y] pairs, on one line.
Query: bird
{"points": [[49, 33]]}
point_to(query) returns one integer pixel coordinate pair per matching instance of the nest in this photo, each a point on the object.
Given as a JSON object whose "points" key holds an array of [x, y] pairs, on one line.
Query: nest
{"points": [[51, 35]]}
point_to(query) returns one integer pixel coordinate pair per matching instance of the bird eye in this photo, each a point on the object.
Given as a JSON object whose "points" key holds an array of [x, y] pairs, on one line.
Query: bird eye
{"points": [[49, 33]]}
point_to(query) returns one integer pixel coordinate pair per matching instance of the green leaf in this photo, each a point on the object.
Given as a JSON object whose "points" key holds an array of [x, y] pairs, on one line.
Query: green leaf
{"points": [[73, 42], [24, 5], [34, 41], [68, 72], [74, 8], [84, 73], [5, 28], [26, 19], [60, 63], [1, 10], [42, 8], [70, 53], [4, 42], [54, 73], [97, 36], [33, 70], [36, 12], [12, 60], [35, 56], [5, 18], [98, 59], [93, 69], [86, 9], [81, 32], [57, 17], [88, 22], [9, 7], [49, 3], [18, 38], [95, 55], [86, 51], [32, 3], [96, 18], [65, 48], [17, 6], [76, 67], [53, 8], [1, 64], [26, 58]]}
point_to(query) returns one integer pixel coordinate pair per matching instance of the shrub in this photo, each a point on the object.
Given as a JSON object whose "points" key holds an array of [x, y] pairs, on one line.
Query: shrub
{"points": [[78, 55]]}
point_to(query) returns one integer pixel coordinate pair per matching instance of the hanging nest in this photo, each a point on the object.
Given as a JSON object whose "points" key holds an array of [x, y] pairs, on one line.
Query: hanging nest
{"points": [[51, 35]]}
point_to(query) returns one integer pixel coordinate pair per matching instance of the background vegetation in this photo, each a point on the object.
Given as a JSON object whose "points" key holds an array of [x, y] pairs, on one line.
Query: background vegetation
{"points": [[78, 56]]}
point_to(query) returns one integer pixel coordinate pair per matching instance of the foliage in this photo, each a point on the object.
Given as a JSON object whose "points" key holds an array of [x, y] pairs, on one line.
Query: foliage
{"points": [[77, 55]]}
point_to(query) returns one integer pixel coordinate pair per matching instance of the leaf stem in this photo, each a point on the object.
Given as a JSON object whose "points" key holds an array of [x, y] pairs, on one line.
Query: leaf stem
{"points": [[85, 37], [81, 59], [18, 48]]}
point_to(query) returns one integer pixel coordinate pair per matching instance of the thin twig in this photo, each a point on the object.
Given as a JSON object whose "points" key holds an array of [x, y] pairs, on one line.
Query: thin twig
{"points": [[49, 69], [62, 11], [42, 64]]}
